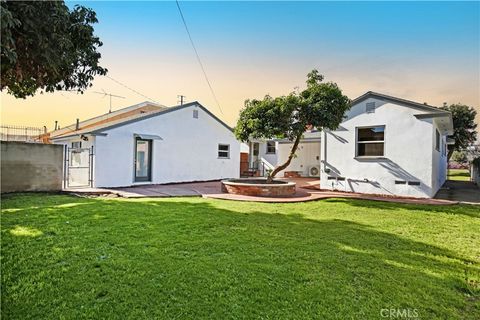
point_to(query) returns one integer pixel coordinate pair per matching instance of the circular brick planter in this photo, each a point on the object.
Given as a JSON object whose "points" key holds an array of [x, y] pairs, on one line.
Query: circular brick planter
{"points": [[259, 187]]}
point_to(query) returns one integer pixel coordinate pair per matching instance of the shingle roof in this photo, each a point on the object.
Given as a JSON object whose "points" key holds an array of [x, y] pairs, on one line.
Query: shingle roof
{"points": [[446, 121], [381, 96], [98, 129], [111, 117]]}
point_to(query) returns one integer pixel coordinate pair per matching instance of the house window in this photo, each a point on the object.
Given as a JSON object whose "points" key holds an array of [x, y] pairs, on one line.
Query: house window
{"points": [[76, 145], [224, 151], [256, 148], [371, 141], [437, 140], [195, 114], [370, 108], [271, 147]]}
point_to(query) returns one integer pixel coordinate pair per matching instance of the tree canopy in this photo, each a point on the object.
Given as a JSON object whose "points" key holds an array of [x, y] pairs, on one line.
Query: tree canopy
{"points": [[321, 105], [47, 46], [464, 127]]}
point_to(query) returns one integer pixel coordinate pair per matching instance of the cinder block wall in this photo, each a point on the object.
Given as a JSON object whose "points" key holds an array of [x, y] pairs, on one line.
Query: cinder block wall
{"points": [[31, 167]]}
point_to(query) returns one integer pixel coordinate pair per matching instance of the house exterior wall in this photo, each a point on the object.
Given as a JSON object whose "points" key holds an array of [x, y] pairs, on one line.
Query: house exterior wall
{"points": [[307, 155], [439, 160], [271, 158], [188, 151], [407, 153]]}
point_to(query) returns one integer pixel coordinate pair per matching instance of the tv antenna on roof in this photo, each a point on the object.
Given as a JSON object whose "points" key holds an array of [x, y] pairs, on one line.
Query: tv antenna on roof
{"points": [[110, 95]]}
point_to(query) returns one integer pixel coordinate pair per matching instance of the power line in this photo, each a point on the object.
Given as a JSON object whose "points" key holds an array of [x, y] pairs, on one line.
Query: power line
{"points": [[133, 90], [198, 57]]}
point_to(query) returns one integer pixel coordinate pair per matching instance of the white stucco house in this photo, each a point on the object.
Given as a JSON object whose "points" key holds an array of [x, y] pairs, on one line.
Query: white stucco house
{"points": [[149, 144], [267, 154], [387, 145]]}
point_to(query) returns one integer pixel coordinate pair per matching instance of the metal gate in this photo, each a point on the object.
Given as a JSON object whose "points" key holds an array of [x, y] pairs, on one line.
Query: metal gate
{"points": [[78, 168]]}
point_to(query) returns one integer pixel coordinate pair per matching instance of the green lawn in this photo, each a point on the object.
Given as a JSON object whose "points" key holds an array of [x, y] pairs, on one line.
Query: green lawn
{"points": [[190, 258], [459, 174]]}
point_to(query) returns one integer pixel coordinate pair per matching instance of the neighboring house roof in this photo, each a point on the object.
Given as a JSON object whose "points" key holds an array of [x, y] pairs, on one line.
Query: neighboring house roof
{"points": [[115, 116], [445, 117], [99, 128]]}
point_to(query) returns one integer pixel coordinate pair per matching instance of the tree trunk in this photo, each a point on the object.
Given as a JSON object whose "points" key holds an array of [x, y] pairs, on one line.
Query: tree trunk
{"points": [[272, 174]]}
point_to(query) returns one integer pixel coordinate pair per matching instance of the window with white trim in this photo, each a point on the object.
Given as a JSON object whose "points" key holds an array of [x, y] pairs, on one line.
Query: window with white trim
{"points": [[223, 151], [370, 141], [271, 147], [437, 140]]}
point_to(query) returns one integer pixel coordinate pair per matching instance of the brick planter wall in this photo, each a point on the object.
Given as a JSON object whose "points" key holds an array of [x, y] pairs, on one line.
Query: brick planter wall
{"points": [[259, 190]]}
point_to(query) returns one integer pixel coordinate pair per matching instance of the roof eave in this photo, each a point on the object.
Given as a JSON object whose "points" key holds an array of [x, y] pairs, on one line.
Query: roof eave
{"points": [[381, 96]]}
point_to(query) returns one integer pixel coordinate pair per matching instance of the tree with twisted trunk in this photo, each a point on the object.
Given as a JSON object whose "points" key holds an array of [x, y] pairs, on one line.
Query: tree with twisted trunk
{"points": [[321, 105]]}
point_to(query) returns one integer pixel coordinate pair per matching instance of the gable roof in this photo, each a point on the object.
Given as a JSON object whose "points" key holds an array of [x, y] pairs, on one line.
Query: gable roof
{"points": [[445, 117], [110, 117], [409, 103], [101, 127]]}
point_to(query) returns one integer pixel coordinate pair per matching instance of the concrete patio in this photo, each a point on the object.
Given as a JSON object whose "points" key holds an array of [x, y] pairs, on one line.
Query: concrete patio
{"points": [[308, 189], [463, 191]]}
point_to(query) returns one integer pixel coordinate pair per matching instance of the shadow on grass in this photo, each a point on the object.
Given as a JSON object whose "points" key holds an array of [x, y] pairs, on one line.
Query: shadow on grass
{"points": [[466, 209], [194, 259]]}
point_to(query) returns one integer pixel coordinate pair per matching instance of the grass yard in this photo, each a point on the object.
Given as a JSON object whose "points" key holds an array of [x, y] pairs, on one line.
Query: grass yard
{"points": [[190, 258], [458, 174]]}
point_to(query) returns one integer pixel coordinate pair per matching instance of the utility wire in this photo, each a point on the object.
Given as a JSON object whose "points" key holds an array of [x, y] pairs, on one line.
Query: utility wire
{"points": [[198, 57], [133, 90]]}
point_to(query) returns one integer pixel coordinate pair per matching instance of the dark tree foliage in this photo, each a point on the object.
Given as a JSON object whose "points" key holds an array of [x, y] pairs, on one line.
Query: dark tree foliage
{"points": [[47, 46], [464, 127], [321, 105]]}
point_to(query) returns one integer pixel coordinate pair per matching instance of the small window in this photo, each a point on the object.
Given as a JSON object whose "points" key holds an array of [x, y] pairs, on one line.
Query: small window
{"points": [[413, 183], [271, 147], [256, 148], [437, 140], [370, 107], [195, 114], [224, 151], [400, 182], [77, 144], [370, 141]]}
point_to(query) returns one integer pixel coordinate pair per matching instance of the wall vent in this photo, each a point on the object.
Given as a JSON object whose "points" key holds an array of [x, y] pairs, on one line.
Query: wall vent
{"points": [[400, 182], [370, 107], [413, 183], [336, 178], [195, 114]]}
